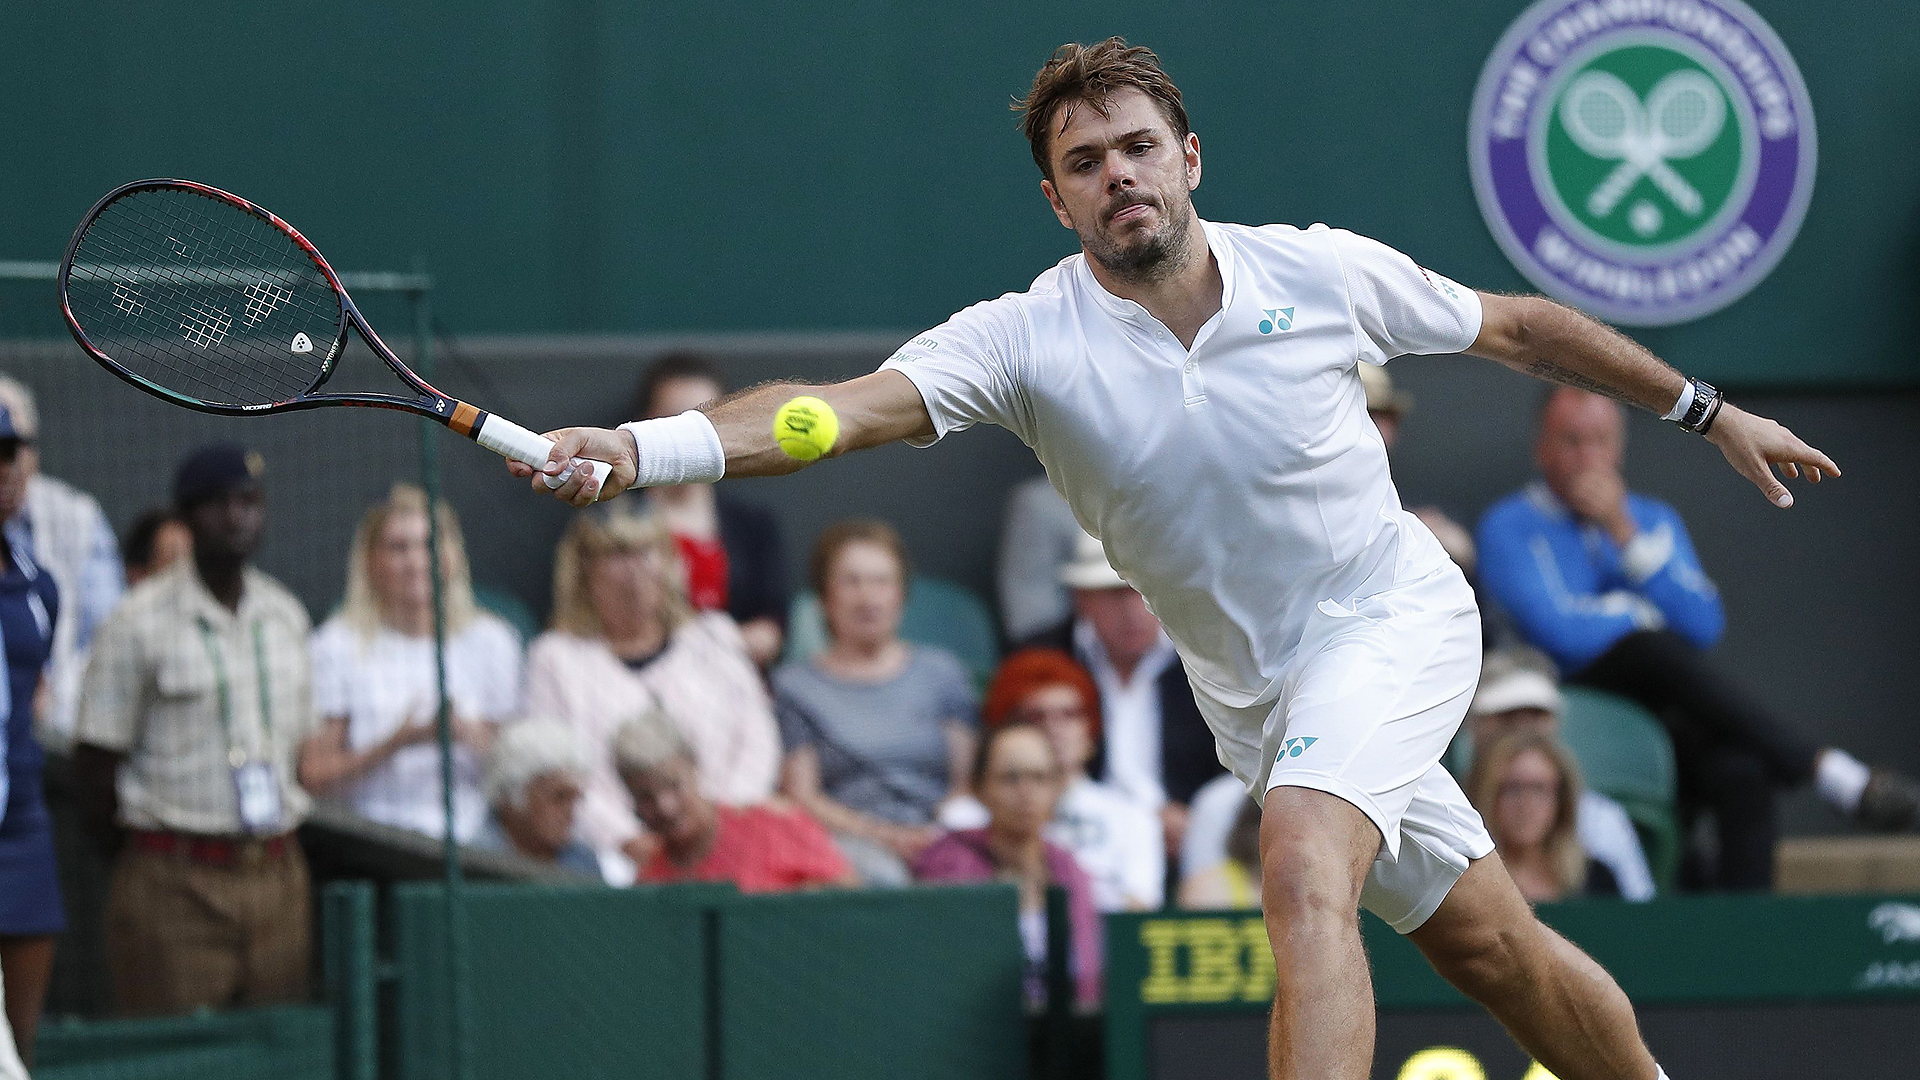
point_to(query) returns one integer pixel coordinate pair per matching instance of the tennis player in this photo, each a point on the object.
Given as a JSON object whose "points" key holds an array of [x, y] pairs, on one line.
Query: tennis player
{"points": [[1193, 390]]}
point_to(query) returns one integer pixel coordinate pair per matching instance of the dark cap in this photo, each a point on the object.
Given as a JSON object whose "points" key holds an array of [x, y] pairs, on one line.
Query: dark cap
{"points": [[212, 470]]}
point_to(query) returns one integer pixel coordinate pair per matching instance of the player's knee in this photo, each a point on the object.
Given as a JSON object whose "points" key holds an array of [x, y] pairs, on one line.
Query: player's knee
{"points": [[1306, 883]]}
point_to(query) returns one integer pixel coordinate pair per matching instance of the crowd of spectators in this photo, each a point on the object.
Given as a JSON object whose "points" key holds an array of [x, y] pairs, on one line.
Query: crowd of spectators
{"points": [[652, 734]]}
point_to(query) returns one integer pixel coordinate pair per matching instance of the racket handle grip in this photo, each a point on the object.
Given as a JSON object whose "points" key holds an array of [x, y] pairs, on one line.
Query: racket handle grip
{"points": [[510, 440]]}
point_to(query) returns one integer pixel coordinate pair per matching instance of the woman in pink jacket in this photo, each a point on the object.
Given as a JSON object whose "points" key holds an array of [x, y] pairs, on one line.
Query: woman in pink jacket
{"points": [[1019, 778], [623, 641]]}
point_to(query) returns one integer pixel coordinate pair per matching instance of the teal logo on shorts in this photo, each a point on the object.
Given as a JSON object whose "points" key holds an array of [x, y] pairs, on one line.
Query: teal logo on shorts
{"points": [[1276, 319], [1296, 747]]}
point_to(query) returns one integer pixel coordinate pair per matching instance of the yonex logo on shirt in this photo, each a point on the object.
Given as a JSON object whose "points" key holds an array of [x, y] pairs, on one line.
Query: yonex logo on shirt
{"points": [[1277, 319], [1296, 747]]}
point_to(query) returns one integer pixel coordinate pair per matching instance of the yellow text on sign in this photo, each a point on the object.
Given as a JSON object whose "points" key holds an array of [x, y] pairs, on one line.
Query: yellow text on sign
{"points": [[1197, 961]]}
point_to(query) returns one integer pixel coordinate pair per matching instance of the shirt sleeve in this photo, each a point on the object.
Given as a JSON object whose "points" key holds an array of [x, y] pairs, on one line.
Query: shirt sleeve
{"points": [[103, 580], [111, 689], [971, 369], [332, 649], [500, 697], [790, 712], [956, 701], [812, 858], [1400, 307]]}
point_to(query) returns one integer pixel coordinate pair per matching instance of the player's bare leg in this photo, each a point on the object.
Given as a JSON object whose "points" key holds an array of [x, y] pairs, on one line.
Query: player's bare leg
{"points": [[1315, 850], [1560, 1005]]}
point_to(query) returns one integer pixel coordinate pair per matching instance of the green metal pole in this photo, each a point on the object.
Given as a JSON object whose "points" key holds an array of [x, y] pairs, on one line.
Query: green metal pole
{"points": [[443, 721]]}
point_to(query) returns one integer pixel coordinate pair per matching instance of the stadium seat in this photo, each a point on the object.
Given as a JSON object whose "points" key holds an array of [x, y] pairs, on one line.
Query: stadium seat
{"points": [[939, 613], [1626, 754], [510, 608]]}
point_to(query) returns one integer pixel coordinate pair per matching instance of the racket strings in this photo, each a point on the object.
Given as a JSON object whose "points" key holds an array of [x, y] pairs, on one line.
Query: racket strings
{"points": [[190, 314], [203, 299]]}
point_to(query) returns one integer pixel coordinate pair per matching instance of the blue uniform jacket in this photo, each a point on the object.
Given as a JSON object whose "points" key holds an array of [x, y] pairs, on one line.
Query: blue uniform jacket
{"points": [[1574, 593]]}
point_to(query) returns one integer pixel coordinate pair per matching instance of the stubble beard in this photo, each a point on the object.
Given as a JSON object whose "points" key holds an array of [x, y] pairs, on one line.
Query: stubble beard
{"points": [[1149, 259]]}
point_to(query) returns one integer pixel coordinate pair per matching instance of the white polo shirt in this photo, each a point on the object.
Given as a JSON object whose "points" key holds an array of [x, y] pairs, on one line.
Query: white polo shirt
{"points": [[1237, 484]]}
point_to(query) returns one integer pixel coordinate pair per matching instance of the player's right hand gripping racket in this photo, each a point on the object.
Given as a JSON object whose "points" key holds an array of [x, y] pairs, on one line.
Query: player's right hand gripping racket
{"points": [[208, 301]]}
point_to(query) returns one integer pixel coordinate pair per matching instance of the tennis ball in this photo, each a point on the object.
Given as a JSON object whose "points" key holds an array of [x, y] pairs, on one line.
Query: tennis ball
{"points": [[806, 428]]}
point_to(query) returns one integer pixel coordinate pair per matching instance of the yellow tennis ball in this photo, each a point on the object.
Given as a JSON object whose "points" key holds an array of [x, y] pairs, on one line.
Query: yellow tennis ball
{"points": [[805, 428]]}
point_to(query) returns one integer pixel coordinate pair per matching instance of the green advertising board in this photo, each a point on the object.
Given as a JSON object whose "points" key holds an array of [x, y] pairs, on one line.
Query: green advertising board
{"points": [[1188, 994]]}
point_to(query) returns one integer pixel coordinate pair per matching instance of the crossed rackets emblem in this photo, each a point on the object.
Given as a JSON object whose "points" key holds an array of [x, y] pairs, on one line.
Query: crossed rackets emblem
{"points": [[1681, 116]]}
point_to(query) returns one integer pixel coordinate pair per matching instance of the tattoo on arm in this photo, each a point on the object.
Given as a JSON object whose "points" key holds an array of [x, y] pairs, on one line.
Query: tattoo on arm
{"points": [[1552, 372]]}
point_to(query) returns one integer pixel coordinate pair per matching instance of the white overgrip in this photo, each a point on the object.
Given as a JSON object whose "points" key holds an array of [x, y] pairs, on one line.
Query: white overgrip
{"points": [[510, 440]]}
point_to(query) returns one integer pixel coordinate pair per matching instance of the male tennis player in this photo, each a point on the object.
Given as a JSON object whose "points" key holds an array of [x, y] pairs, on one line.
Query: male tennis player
{"points": [[1193, 390]]}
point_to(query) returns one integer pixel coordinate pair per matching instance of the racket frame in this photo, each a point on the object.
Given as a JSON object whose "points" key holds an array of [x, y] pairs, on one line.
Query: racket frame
{"points": [[501, 436]]}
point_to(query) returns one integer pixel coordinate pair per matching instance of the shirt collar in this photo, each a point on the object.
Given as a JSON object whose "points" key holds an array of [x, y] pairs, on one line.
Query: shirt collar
{"points": [[1122, 308], [199, 600], [1545, 501], [1094, 653], [18, 530]]}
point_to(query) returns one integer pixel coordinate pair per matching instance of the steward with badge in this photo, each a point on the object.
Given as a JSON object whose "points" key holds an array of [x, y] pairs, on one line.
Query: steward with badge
{"points": [[196, 698]]}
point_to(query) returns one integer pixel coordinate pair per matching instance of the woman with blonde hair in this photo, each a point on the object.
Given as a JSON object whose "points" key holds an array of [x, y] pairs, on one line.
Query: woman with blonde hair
{"points": [[1527, 787], [625, 640], [376, 684]]}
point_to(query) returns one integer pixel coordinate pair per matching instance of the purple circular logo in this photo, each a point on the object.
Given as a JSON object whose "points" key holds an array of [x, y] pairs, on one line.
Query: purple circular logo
{"points": [[1646, 160]]}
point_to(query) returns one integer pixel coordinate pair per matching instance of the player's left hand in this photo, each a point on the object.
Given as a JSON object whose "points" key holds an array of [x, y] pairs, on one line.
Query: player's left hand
{"points": [[1754, 445], [611, 445]]}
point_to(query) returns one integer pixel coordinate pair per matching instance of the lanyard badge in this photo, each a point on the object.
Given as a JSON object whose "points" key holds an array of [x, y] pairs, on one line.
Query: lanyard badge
{"points": [[256, 790]]}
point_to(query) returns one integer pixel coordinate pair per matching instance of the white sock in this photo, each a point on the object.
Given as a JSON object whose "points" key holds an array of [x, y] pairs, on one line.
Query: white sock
{"points": [[1840, 778], [1659, 1073]]}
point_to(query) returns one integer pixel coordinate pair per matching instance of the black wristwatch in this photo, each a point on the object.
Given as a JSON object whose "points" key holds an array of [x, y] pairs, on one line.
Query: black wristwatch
{"points": [[1705, 407]]}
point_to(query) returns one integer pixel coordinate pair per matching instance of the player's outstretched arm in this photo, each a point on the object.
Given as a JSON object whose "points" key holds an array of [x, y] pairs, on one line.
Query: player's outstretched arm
{"points": [[1535, 336], [873, 410]]}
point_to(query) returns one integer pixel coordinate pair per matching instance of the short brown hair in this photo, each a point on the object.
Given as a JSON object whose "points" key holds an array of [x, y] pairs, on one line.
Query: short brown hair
{"points": [[837, 536], [1093, 74]]}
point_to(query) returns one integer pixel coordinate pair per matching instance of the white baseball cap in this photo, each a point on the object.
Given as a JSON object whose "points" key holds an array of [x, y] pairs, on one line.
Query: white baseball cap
{"points": [[1089, 568], [1517, 688]]}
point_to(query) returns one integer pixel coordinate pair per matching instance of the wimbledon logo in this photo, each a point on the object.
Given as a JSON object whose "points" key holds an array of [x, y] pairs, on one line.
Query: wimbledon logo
{"points": [[1647, 160]]}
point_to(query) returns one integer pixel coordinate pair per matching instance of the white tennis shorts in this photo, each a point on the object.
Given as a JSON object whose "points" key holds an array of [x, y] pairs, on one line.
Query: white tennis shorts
{"points": [[1377, 690]]}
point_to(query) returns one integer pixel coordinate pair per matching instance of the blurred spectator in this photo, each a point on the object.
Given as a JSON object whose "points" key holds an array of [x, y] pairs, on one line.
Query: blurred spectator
{"points": [[63, 530], [30, 613], [1019, 779], [1517, 694], [156, 540], [1527, 787], [1155, 748], [1110, 836], [196, 698], [1210, 821], [1037, 540], [757, 848], [878, 732], [735, 560], [533, 786], [623, 641], [376, 679], [1389, 407], [1606, 582], [1232, 881]]}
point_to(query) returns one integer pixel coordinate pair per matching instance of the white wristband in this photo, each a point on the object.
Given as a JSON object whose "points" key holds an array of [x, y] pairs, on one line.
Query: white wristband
{"points": [[682, 449], [1680, 407]]}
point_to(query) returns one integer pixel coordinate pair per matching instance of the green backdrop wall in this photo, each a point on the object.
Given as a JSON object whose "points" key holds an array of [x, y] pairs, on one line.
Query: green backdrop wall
{"points": [[596, 165]]}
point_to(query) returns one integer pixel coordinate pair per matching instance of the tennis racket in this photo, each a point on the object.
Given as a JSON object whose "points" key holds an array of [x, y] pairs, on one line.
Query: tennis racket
{"points": [[201, 298]]}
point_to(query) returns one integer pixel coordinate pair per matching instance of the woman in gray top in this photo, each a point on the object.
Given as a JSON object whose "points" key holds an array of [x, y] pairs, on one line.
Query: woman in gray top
{"points": [[878, 732]]}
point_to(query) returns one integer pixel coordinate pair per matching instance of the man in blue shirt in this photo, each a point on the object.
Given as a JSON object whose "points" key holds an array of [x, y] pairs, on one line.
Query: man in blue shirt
{"points": [[1607, 583]]}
